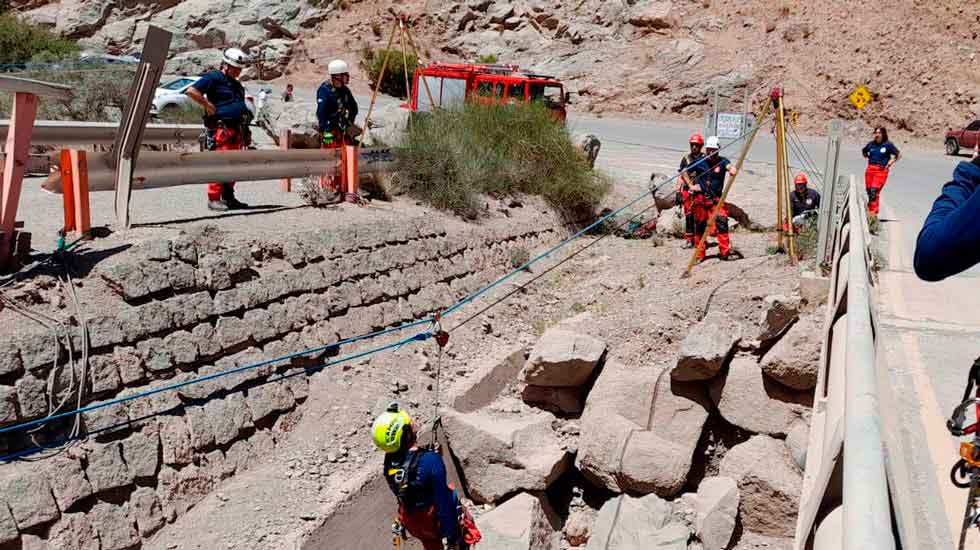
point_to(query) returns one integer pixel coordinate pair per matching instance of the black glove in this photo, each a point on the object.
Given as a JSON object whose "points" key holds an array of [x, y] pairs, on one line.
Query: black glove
{"points": [[678, 198]]}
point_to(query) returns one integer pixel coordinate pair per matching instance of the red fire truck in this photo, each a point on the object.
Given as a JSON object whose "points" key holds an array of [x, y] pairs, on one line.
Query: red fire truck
{"points": [[452, 84]]}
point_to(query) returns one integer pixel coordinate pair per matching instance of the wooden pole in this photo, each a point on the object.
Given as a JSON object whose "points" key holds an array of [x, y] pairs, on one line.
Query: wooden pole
{"points": [[780, 199], [786, 222], [381, 76], [418, 57], [724, 195], [408, 87]]}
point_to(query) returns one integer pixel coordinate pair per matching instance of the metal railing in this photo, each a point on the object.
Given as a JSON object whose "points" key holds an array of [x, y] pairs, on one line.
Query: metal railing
{"points": [[57, 132], [845, 497]]}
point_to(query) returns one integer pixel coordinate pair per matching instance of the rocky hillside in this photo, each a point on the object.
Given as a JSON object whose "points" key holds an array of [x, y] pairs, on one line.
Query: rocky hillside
{"points": [[636, 57]]}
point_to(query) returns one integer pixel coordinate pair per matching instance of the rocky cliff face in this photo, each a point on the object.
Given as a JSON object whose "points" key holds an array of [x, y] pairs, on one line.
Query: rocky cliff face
{"points": [[638, 57]]}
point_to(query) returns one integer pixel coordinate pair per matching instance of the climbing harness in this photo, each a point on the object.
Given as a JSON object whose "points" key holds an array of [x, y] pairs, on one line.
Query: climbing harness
{"points": [[966, 472]]}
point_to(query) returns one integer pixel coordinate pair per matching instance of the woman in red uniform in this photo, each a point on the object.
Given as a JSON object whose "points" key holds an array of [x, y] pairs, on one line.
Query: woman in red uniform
{"points": [[881, 155]]}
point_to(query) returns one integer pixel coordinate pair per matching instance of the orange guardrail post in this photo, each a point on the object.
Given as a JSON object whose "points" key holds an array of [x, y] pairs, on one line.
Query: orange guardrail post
{"points": [[74, 186], [22, 117], [68, 190], [349, 173], [285, 184]]}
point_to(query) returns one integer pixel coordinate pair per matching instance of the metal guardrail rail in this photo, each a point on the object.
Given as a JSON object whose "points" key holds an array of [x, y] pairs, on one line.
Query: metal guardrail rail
{"points": [[845, 499], [57, 132]]}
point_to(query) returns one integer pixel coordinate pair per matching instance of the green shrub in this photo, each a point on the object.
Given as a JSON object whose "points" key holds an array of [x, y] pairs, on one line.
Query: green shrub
{"points": [[449, 158], [488, 59], [188, 113], [22, 42], [98, 95], [393, 83]]}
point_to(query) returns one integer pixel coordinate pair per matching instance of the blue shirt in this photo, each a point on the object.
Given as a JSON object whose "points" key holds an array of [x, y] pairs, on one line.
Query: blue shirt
{"points": [[879, 153], [714, 177], [430, 487], [335, 108], [950, 238], [226, 93]]}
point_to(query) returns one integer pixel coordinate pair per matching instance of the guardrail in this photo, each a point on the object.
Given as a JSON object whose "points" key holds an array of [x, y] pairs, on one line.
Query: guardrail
{"points": [[57, 132], [845, 496]]}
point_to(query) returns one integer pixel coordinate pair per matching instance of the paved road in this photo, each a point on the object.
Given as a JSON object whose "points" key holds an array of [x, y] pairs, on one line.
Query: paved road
{"points": [[929, 337]]}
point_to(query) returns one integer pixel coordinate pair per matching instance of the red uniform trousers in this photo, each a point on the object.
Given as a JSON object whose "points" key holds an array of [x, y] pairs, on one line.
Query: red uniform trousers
{"points": [[334, 182], [874, 181], [688, 206], [223, 139], [423, 525], [702, 211]]}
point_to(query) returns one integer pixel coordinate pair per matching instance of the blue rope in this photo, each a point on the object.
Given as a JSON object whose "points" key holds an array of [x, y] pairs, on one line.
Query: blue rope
{"points": [[418, 337], [421, 337], [140, 395], [581, 232]]}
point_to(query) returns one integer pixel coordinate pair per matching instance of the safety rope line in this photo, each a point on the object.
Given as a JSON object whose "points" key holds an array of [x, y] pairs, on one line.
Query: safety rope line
{"points": [[575, 236], [803, 155], [421, 337], [427, 320], [222, 374], [61, 248]]}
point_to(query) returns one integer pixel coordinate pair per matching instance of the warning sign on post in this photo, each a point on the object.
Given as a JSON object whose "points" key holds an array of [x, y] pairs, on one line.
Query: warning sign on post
{"points": [[729, 125], [861, 97]]}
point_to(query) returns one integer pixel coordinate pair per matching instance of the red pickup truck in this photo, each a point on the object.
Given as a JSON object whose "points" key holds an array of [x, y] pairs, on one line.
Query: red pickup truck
{"points": [[962, 139]]}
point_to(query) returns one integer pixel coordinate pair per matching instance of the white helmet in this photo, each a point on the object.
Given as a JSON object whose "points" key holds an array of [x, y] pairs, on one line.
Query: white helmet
{"points": [[235, 58], [712, 143], [337, 66]]}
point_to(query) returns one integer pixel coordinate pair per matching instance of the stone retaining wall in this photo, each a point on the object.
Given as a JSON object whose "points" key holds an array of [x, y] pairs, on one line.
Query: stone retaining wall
{"points": [[198, 305]]}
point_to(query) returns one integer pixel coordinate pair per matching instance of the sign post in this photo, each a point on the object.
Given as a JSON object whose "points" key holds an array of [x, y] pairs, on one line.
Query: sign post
{"points": [[135, 116], [730, 125]]}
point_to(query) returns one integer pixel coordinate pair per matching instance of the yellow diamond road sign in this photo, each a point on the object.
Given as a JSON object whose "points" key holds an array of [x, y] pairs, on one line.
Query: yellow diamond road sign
{"points": [[861, 97]]}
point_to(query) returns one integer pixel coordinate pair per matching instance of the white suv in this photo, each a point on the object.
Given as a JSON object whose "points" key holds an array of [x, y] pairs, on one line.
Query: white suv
{"points": [[171, 96]]}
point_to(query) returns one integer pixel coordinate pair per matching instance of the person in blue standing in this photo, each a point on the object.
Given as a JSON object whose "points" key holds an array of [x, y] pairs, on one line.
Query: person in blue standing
{"points": [[949, 242], [226, 119], [882, 155], [336, 111]]}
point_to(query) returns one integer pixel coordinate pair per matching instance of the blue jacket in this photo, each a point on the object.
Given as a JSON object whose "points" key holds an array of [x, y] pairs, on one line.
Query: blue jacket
{"points": [[950, 238], [335, 108], [427, 487], [226, 93]]}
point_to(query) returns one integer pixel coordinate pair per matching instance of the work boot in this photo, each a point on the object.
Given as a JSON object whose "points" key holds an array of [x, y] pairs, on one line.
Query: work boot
{"points": [[228, 197], [218, 205]]}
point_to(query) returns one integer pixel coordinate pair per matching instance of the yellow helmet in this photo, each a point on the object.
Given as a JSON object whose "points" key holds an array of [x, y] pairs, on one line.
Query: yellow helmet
{"points": [[388, 429]]}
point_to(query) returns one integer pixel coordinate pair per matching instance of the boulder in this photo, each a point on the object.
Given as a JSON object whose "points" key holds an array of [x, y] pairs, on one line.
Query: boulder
{"points": [[706, 347], [28, 495], [505, 453], [578, 526], [630, 523], [797, 441], [68, 482], [716, 507], [795, 358], [490, 377], [78, 18], [769, 485], [298, 116], [623, 447], [106, 469], [750, 400], [562, 358], [778, 313], [72, 532], [555, 399], [652, 14], [117, 531], [521, 523]]}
